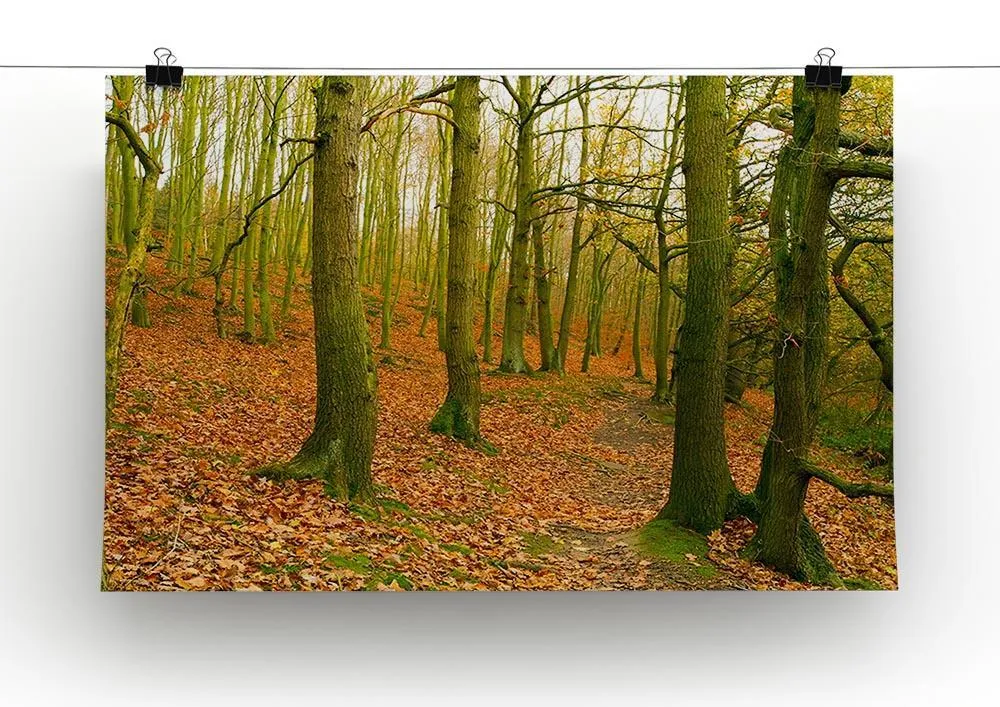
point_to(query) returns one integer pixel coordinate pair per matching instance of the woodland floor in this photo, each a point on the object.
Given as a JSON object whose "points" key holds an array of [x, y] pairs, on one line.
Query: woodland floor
{"points": [[583, 463]]}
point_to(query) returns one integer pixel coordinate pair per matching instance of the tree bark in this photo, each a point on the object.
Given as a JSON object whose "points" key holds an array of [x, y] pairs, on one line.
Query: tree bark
{"points": [[131, 275], [637, 326], [128, 216], [784, 539], [340, 448], [543, 295], [664, 333], [458, 417], [575, 248], [512, 358], [700, 483]]}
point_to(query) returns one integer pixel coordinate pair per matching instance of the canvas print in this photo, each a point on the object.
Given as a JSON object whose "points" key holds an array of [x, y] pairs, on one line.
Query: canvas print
{"points": [[499, 332]]}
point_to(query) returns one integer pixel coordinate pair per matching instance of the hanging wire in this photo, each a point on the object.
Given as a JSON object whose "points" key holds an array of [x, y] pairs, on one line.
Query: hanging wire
{"points": [[502, 69]]}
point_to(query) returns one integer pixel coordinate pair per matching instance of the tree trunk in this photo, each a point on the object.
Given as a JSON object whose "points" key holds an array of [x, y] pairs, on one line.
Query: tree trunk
{"points": [[444, 197], [390, 236], [339, 450], [700, 484], [128, 216], [131, 275], [265, 232], [458, 417], [197, 197], [784, 539], [637, 326], [664, 331], [512, 358], [505, 189], [572, 273], [543, 295]]}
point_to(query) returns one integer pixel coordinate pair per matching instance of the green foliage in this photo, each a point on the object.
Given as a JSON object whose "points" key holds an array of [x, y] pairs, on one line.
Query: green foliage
{"points": [[845, 428]]}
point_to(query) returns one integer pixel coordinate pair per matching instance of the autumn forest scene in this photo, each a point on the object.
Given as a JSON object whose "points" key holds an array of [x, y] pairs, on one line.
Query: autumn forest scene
{"points": [[499, 332]]}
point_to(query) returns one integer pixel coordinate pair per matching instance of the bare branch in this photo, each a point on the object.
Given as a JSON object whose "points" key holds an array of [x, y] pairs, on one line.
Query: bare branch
{"points": [[851, 490]]}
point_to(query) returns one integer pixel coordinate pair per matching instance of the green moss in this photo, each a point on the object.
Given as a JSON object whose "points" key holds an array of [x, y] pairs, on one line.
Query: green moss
{"points": [[417, 531], [369, 513], [537, 544], [387, 577], [666, 540], [373, 573], [862, 584], [453, 420], [488, 483], [487, 448], [359, 564], [457, 547], [444, 422], [394, 505], [411, 550]]}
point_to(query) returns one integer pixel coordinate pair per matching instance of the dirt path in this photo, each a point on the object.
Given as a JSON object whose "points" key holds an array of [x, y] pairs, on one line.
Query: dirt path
{"points": [[616, 558]]}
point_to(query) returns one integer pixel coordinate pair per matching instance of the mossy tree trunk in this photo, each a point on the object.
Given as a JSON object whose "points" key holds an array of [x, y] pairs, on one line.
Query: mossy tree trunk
{"points": [[112, 194], [637, 325], [595, 283], [801, 195], [444, 197], [124, 88], [459, 415], [512, 359], [196, 223], [340, 448], [498, 239], [250, 244], [700, 483], [220, 239], [665, 253], [543, 296], [575, 247], [391, 230], [131, 275], [265, 231]]}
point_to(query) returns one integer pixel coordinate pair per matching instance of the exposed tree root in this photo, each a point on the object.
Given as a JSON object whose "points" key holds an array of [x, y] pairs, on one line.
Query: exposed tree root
{"points": [[310, 463]]}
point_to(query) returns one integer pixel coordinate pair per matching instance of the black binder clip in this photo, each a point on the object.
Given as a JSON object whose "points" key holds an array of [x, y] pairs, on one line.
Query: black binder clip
{"points": [[823, 74], [164, 73]]}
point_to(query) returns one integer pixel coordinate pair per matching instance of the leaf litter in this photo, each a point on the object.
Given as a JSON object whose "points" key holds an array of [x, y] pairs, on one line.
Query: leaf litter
{"points": [[583, 461]]}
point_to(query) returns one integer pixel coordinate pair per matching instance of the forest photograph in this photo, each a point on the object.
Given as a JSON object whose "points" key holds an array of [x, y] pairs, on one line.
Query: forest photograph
{"points": [[498, 332]]}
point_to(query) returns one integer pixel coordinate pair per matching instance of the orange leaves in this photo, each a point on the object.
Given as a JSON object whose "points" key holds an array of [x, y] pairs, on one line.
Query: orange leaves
{"points": [[582, 464]]}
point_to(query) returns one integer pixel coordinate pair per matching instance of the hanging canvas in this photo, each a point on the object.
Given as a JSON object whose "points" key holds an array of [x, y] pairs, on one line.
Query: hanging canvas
{"points": [[499, 333]]}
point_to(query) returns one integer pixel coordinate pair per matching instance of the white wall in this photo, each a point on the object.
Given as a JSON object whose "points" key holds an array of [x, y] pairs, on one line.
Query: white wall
{"points": [[934, 642]]}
